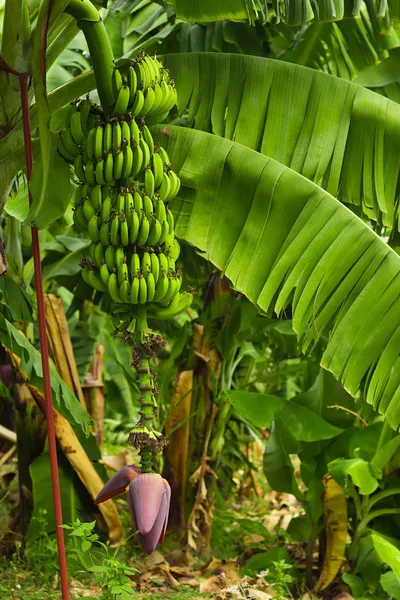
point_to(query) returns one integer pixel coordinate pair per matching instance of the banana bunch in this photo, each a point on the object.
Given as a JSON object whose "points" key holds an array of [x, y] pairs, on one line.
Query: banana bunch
{"points": [[134, 276], [124, 186], [144, 89], [126, 217], [118, 151], [81, 117]]}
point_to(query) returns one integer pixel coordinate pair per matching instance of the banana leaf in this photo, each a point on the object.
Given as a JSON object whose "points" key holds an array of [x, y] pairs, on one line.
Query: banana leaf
{"points": [[281, 239], [292, 12], [337, 134]]}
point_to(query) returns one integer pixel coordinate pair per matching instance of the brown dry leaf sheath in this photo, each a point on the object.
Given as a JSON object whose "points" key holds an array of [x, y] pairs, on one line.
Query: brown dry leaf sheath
{"points": [[177, 431], [79, 460], [60, 347], [335, 509]]}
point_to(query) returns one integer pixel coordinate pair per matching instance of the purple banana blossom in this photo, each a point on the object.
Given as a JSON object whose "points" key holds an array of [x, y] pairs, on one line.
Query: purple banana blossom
{"points": [[118, 483], [149, 497]]}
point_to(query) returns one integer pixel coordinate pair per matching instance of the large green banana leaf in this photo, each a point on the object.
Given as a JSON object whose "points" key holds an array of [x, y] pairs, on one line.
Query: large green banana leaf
{"points": [[280, 238], [342, 48], [337, 134], [293, 12]]}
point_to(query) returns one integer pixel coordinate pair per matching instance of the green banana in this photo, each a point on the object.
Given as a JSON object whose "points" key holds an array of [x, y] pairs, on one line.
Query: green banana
{"points": [[138, 200], [165, 187], [138, 103], [178, 305], [118, 164], [124, 232], [122, 272], [121, 105], [113, 288], [155, 266], [135, 265], [173, 289], [98, 143], [99, 254], [99, 172], [90, 143], [79, 218], [109, 168], [149, 182], [126, 132], [134, 131], [109, 257], [63, 152], [88, 209], [85, 274], [89, 172], [114, 231], [161, 288], [164, 233], [146, 153], [79, 194], [85, 107], [104, 274], [71, 111], [158, 98], [137, 161], [93, 228], [148, 138], [134, 291], [96, 196], [96, 282], [175, 184], [117, 81], [104, 234], [171, 264], [128, 162], [76, 128], [175, 250], [79, 169], [151, 287], [145, 264], [133, 83], [149, 98], [106, 209], [155, 233], [142, 290], [129, 203], [160, 210], [121, 201], [164, 266], [158, 169], [124, 291], [164, 156], [116, 137], [134, 224], [69, 143], [148, 207], [119, 256], [107, 137], [170, 219], [148, 64]]}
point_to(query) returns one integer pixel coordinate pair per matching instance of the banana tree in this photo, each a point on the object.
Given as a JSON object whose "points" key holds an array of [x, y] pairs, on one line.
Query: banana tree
{"points": [[282, 146]]}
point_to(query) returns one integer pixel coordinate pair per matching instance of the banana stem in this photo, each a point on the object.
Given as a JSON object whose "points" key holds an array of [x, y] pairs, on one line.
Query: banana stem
{"points": [[146, 387], [90, 22], [147, 410], [142, 319], [146, 460]]}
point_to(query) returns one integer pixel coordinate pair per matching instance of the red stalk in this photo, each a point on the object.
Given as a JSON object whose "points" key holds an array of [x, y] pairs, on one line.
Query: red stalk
{"points": [[23, 80]]}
